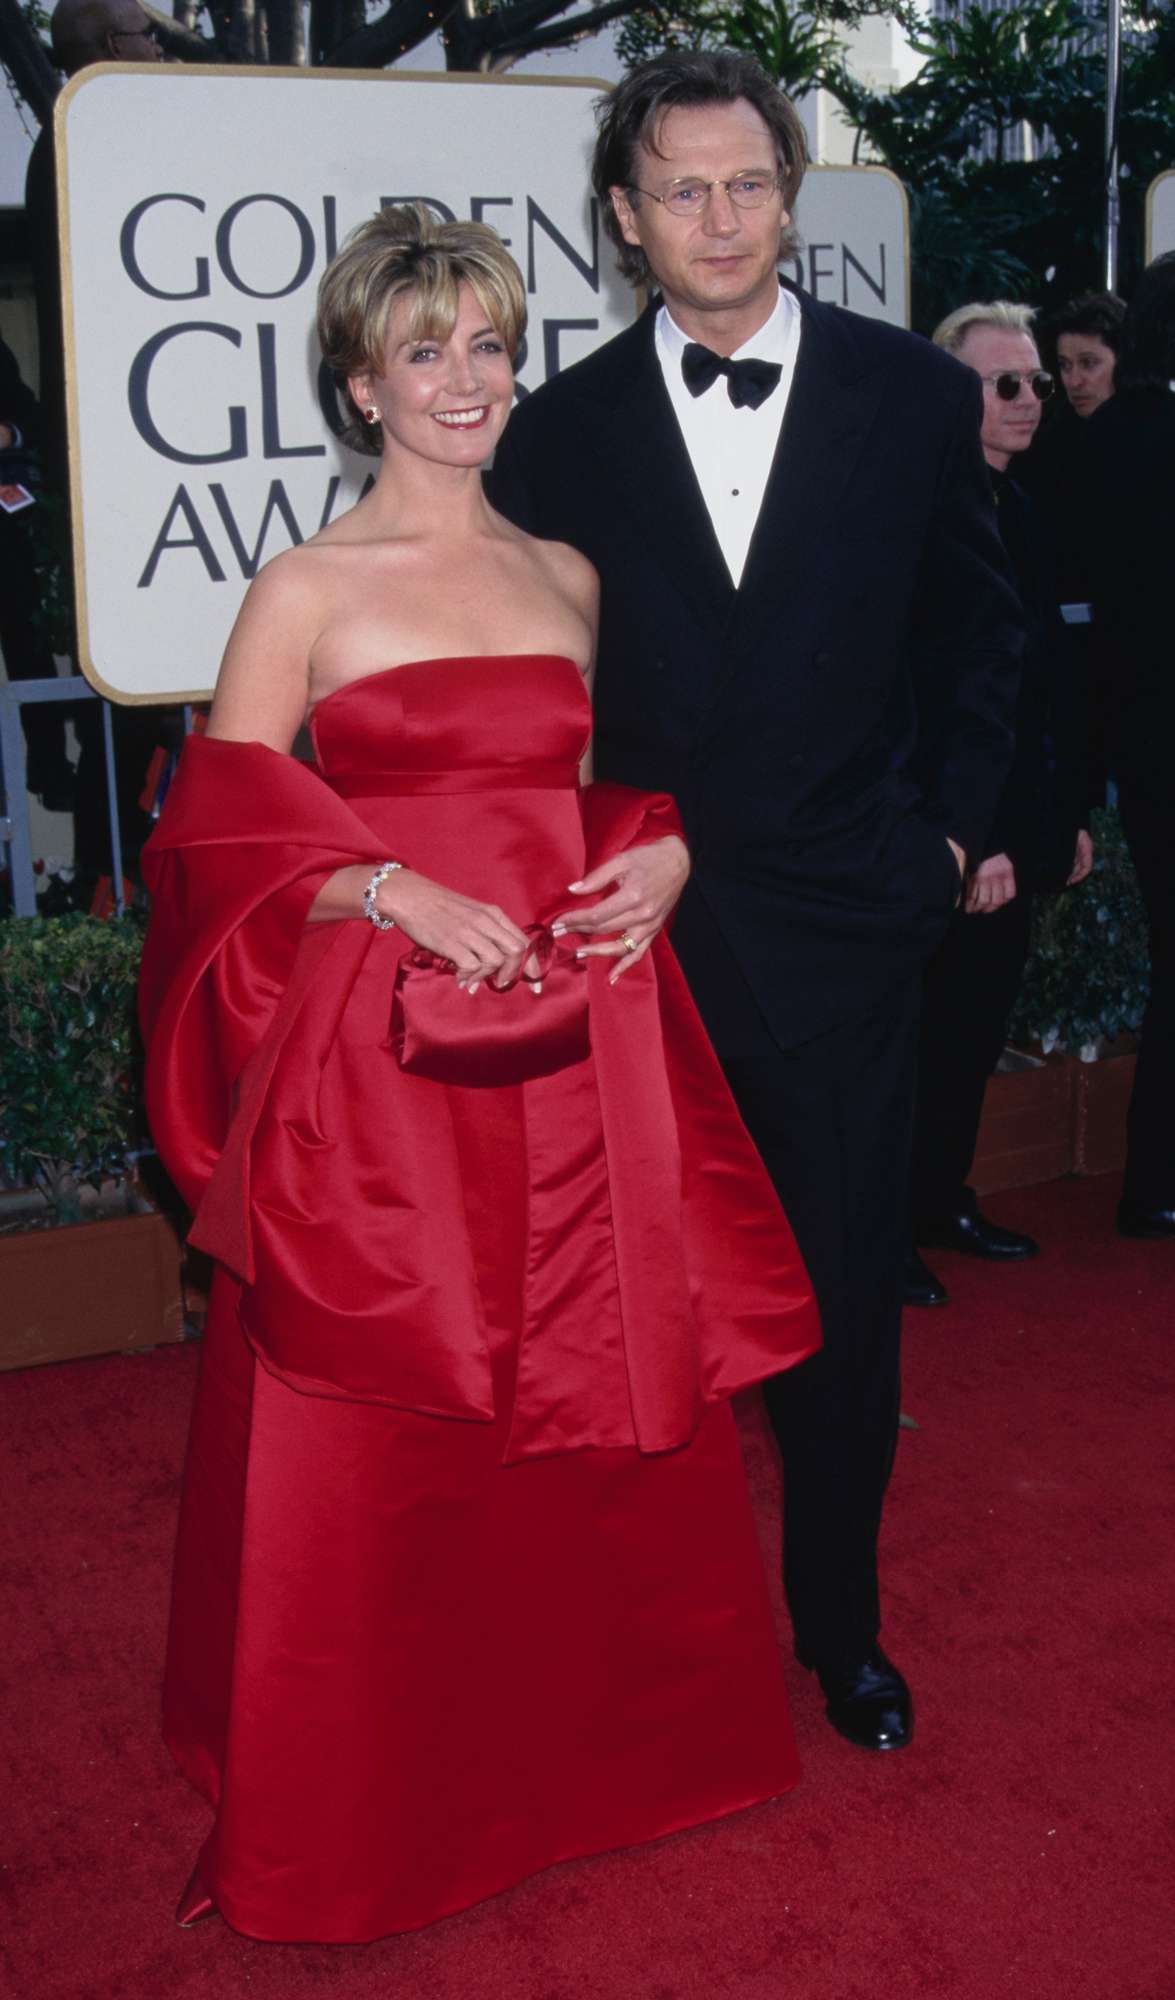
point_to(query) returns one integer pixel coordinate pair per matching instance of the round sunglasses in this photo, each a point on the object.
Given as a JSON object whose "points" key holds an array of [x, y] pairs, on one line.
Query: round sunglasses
{"points": [[1007, 384]]}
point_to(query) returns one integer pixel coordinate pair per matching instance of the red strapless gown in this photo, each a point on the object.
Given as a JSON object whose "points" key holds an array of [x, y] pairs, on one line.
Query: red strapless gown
{"points": [[406, 1673]]}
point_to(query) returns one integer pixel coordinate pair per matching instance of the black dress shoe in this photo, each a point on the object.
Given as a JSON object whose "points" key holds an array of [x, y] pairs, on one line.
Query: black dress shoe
{"points": [[1136, 1220], [920, 1287], [975, 1236], [868, 1702]]}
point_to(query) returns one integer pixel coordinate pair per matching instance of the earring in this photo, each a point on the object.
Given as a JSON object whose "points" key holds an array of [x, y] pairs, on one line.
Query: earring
{"points": [[371, 414]]}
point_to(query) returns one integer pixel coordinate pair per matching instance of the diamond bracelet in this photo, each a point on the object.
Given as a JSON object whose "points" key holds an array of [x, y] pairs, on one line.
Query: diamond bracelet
{"points": [[385, 869]]}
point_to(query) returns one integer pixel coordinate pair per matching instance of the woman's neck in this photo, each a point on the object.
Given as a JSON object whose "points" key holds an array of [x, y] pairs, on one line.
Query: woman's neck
{"points": [[427, 499]]}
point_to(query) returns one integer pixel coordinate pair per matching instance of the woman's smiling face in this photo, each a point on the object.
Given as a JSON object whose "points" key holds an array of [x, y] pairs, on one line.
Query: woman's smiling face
{"points": [[444, 400]]}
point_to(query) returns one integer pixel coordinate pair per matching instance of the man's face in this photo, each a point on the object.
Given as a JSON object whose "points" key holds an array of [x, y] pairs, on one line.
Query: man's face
{"points": [[129, 35], [723, 261], [1086, 367], [1008, 427]]}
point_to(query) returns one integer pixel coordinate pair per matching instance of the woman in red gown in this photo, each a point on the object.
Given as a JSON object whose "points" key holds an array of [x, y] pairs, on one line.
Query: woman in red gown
{"points": [[466, 1582]]}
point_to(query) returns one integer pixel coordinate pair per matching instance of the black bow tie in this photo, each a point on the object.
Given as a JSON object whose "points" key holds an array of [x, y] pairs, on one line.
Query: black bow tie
{"points": [[748, 383]]}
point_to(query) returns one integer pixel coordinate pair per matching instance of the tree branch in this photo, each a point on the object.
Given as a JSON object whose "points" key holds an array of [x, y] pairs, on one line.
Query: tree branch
{"points": [[559, 32], [180, 41], [508, 24], [24, 55], [403, 27]]}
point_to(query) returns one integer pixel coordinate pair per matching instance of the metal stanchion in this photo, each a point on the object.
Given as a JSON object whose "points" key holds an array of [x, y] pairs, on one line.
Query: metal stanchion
{"points": [[112, 804], [1113, 112]]}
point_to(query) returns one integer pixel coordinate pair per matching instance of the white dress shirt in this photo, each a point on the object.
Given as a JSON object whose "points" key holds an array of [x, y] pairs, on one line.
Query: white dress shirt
{"points": [[731, 450]]}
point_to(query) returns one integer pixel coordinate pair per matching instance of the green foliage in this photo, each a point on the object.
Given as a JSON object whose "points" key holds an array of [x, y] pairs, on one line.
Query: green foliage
{"points": [[1024, 229], [798, 46], [1087, 977], [69, 1107]]}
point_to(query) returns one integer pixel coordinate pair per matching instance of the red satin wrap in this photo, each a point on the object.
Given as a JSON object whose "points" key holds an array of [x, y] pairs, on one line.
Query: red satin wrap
{"points": [[328, 1180], [424, 1641]]}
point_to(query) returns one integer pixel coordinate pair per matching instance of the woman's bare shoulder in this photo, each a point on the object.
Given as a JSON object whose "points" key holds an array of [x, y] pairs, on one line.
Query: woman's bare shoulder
{"points": [[570, 571], [297, 574]]}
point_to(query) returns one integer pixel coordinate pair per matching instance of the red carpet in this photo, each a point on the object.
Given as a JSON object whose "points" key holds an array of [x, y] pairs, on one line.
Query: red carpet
{"points": [[1024, 1846]]}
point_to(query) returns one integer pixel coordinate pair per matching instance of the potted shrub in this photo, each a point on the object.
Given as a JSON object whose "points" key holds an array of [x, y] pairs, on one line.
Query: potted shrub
{"points": [[1059, 1105], [88, 1265]]}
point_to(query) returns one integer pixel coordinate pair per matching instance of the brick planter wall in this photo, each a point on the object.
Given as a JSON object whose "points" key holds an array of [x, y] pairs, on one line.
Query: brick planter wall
{"points": [[1053, 1116]]}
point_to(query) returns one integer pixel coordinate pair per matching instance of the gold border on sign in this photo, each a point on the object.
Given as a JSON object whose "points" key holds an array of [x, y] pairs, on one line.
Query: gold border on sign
{"points": [[885, 173], [1168, 174], [173, 71]]}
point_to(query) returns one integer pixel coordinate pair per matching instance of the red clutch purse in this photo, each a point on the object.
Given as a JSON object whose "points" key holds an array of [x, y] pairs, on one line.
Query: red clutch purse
{"points": [[509, 1034]]}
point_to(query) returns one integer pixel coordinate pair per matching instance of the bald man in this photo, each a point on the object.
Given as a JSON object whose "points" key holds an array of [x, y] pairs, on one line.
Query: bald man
{"points": [[90, 31]]}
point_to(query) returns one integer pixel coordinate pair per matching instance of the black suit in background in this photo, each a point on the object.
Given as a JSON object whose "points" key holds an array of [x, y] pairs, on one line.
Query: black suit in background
{"points": [[823, 728], [1058, 474], [1132, 542], [972, 980], [40, 200], [26, 648]]}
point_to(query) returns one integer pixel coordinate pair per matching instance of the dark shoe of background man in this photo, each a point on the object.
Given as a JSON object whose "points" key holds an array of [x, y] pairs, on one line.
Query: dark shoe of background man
{"points": [[964, 1228], [1136, 1220]]}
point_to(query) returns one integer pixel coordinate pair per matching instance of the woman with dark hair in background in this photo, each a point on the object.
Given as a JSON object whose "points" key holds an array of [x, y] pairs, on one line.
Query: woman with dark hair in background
{"points": [[1086, 337], [1132, 443], [1081, 343]]}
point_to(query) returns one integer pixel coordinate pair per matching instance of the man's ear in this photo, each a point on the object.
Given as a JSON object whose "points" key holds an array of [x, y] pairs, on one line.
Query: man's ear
{"points": [[622, 209]]}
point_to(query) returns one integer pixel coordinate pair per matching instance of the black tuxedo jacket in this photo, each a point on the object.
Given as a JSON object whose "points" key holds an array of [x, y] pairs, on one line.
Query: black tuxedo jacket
{"points": [[1132, 539], [826, 725]]}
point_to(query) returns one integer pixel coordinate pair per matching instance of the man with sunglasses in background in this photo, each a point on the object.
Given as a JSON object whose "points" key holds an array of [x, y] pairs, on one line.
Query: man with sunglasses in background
{"points": [[808, 636], [1038, 839]]}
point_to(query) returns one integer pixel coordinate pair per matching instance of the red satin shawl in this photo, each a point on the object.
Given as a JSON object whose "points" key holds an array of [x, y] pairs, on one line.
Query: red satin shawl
{"points": [[712, 1289]]}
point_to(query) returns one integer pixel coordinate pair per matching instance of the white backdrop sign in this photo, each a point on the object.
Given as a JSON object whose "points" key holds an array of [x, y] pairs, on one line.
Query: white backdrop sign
{"points": [[199, 207], [1160, 215]]}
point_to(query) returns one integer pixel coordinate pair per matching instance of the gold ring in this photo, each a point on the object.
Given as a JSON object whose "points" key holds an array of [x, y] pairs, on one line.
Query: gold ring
{"points": [[629, 943]]}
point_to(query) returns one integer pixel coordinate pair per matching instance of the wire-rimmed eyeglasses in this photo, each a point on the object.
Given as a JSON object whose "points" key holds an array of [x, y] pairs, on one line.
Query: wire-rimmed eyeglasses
{"points": [[1006, 383], [691, 197]]}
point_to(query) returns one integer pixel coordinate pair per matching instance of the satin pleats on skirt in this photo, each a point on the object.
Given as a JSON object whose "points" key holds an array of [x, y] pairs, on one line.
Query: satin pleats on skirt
{"points": [[407, 1676]]}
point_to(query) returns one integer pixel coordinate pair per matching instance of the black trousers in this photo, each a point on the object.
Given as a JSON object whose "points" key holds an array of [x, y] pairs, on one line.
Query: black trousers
{"points": [[831, 1119], [968, 993], [1148, 820]]}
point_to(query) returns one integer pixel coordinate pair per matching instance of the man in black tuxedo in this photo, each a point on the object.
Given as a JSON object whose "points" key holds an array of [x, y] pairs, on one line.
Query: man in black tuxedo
{"points": [[808, 636]]}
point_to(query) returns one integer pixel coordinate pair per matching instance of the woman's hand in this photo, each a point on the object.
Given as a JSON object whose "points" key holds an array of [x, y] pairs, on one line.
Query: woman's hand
{"points": [[648, 882], [480, 939]]}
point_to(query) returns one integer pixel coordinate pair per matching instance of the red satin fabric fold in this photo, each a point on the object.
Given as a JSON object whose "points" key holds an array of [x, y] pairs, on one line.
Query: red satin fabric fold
{"points": [[329, 1180]]}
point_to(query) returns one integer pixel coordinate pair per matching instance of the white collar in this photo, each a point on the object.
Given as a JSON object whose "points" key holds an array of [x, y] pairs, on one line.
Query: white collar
{"points": [[772, 341]]}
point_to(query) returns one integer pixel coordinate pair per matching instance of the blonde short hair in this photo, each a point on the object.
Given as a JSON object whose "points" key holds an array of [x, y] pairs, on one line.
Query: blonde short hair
{"points": [[405, 252], [1001, 314]]}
